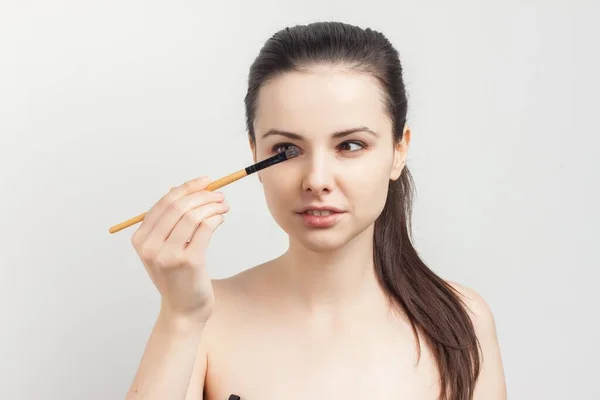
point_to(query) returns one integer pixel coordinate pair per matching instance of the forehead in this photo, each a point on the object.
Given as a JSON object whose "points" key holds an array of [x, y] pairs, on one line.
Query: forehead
{"points": [[321, 100]]}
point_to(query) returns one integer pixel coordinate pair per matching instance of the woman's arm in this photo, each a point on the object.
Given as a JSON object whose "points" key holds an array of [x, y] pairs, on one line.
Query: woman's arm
{"points": [[172, 242], [172, 366]]}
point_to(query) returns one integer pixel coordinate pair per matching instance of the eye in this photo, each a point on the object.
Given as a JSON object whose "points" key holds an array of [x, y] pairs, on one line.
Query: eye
{"points": [[281, 147], [352, 146]]}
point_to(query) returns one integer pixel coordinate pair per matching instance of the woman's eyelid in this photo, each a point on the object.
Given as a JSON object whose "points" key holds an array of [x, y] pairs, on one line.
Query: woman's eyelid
{"points": [[362, 144], [283, 144]]}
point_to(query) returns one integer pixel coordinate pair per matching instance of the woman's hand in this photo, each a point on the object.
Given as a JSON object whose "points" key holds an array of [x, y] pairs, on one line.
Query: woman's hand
{"points": [[172, 242]]}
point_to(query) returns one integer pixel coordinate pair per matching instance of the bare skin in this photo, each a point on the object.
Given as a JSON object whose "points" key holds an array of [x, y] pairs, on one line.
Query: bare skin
{"points": [[290, 352], [312, 323]]}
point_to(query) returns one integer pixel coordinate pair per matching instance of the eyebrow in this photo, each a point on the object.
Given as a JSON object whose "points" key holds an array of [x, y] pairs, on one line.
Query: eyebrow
{"points": [[335, 135]]}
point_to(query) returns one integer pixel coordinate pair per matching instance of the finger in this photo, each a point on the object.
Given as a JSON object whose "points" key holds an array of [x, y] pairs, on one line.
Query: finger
{"points": [[176, 211], [165, 202], [172, 196], [203, 234], [192, 220]]}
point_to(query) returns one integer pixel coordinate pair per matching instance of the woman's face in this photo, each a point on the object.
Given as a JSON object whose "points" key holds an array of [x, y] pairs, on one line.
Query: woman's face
{"points": [[337, 120]]}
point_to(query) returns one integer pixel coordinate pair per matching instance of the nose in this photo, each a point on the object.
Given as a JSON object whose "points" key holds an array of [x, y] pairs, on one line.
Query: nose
{"points": [[318, 177]]}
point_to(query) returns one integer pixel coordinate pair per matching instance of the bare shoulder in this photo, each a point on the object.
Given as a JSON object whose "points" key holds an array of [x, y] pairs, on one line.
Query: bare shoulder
{"points": [[478, 309], [491, 382], [238, 296], [241, 288]]}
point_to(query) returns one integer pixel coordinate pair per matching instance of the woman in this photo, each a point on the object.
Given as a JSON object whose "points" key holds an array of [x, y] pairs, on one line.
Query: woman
{"points": [[349, 311]]}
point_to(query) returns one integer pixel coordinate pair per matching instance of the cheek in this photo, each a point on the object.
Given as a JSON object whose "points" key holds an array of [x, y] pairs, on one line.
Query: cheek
{"points": [[370, 196], [279, 186], [367, 186]]}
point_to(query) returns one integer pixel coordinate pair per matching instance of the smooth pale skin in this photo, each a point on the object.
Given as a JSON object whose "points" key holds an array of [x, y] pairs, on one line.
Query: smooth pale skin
{"points": [[313, 323]]}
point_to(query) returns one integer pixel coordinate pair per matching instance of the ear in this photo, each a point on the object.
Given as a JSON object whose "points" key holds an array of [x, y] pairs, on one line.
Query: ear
{"points": [[400, 154], [253, 150]]}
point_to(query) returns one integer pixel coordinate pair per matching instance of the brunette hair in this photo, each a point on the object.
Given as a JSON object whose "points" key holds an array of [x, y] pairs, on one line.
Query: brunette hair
{"points": [[435, 309]]}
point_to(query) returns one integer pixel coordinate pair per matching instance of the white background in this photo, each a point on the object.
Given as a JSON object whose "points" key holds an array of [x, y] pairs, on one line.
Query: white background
{"points": [[104, 105]]}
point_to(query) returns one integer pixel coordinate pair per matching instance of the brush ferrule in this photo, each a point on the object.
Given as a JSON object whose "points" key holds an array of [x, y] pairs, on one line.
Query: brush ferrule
{"points": [[266, 163]]}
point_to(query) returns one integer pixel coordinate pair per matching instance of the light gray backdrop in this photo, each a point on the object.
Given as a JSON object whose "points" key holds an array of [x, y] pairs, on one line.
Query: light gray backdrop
{"points": [[104, 105]]}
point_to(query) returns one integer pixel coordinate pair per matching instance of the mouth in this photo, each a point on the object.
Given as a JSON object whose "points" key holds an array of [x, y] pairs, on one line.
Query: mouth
{"points": [[320, 217], [319, 212], [327, 210]]}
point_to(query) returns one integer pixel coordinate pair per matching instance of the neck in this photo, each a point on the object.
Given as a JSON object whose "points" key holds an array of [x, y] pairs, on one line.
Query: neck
{"points": [[333, 282]]}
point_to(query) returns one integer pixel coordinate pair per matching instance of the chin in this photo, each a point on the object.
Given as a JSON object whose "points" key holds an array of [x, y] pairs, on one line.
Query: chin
{"points": [[325, 240], [320, 242]]}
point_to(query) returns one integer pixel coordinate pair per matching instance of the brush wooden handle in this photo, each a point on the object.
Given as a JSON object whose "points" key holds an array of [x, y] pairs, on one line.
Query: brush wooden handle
{"points": [[219, 183], [128, 223], [226, 180]]}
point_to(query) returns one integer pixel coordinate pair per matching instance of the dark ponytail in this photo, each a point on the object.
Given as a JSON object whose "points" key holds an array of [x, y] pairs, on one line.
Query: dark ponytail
{"points": [[434, 308]]}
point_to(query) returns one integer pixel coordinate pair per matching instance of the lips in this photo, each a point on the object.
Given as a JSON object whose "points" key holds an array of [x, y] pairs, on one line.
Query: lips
{"points": [[320, 217]]}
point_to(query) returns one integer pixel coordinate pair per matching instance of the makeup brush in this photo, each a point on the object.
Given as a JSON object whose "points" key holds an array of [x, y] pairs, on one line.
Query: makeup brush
{"points": [[226, 180]]}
